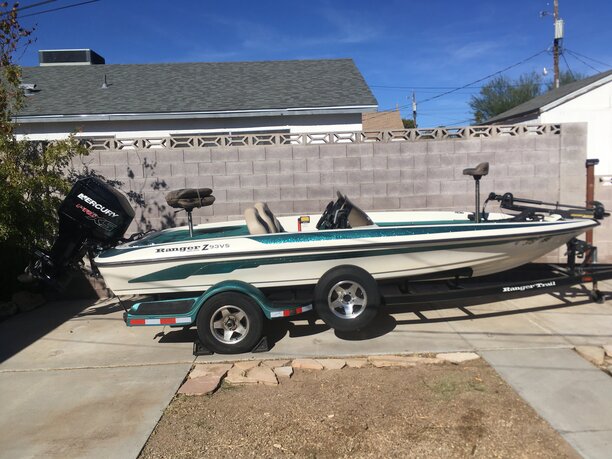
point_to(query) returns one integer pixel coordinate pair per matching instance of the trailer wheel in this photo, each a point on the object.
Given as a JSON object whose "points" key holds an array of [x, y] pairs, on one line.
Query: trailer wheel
{"points": [[347, 298], [230, 323]]}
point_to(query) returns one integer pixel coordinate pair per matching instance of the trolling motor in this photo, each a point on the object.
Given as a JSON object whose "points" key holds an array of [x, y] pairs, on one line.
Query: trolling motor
{"points": [[477, 172], [93, 216], [528, 208]]}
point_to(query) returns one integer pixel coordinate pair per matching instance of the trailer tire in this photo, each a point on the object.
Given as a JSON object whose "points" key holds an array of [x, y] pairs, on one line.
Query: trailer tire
{"points": [[346, 298], [230, 323]]}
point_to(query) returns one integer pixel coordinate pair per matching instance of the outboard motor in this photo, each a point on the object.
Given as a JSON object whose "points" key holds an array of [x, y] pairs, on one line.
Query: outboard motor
{"points": [[94, 215]]}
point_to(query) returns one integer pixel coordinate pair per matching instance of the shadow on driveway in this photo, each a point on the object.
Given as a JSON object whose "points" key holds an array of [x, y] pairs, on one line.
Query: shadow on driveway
{"points": [[385, 322], [18, 332]]}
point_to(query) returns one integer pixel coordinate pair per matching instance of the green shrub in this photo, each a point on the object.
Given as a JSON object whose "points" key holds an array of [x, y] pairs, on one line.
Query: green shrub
{"points": [[34, 176]]}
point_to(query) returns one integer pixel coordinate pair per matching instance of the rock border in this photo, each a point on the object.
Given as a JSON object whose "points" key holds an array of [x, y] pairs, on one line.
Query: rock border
{"points": [[206, 378]]}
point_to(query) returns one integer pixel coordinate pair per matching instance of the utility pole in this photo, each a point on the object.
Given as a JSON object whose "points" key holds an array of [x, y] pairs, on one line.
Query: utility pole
{"points": [[557, 41], [414, 110]]}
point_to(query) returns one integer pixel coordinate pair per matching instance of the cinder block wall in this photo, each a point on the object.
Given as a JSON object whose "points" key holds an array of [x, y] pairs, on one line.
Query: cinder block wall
{"points": [[415, 174]]}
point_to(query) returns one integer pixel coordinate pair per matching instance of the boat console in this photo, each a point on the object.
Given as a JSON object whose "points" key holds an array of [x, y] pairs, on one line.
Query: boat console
{"points": [[343, 214]]}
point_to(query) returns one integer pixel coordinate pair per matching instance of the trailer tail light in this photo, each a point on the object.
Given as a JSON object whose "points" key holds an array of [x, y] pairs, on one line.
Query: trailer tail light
{"points": [[161, 321], [290, 312]]}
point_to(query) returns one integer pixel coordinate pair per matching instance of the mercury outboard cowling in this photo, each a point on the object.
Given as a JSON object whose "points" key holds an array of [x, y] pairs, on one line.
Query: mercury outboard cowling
{"points": [[93, 215]]}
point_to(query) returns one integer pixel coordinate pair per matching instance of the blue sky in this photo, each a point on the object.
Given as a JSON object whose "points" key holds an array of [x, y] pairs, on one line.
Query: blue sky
{"points": [[429, 46]]}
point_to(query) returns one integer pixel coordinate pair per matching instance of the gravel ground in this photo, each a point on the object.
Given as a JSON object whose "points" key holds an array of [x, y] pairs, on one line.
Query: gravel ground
{"points": [[425, 411]]}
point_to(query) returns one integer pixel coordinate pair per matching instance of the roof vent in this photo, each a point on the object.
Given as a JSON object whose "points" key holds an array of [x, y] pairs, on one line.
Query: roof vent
{"points": [[29, 89], [69, 57]]}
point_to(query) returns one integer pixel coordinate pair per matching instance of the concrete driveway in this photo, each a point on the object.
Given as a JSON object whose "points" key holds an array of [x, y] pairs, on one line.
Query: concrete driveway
{"points": [[543, 321], [75, 382]]}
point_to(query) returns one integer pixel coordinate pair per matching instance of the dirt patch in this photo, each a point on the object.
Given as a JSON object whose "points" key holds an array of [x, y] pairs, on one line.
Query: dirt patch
{"points": [[426, 411]]}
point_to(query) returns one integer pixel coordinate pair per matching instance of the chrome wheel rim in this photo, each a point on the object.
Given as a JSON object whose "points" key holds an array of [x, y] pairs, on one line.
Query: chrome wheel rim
{"points": [[347, 299], [229, 324]]}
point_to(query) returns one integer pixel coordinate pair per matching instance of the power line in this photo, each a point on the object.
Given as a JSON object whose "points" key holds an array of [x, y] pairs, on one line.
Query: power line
{"points": [[485, 78], [585, 63], [568, 66], [425, 88], [589, 58], [471, 83], [58, 8], [33, 5], [418, 87]]}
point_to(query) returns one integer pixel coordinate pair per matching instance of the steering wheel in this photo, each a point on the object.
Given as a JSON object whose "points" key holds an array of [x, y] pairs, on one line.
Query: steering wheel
{"points": [[325, 217]]}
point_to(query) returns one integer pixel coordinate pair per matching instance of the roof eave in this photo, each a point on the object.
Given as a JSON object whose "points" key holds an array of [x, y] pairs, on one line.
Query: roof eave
{"points": [[577, 93], [349, 109], [523, 115]]}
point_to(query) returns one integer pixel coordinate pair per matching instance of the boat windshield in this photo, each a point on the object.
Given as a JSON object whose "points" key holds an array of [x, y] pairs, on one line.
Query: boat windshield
{"points": [[343, 214]]}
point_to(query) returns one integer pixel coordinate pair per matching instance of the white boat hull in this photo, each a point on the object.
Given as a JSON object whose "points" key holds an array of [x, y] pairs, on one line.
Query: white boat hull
{"points": [[489, 250]]}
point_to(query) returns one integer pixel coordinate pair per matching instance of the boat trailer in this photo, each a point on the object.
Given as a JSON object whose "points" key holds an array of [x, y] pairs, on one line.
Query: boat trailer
{"points": [[219, 320]]}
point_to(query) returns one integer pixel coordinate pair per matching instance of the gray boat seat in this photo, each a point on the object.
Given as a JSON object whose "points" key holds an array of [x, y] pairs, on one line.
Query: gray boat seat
{"points": [[256, 223], [190, 198], [479, 171], [266, 214]]}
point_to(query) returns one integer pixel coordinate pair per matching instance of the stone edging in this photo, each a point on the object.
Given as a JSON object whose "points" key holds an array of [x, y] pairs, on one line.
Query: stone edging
{"points": [[205, 378]]}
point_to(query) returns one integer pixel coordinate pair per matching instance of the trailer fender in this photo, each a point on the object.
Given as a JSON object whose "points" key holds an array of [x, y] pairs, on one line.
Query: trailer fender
{"points": [[270, 310]]}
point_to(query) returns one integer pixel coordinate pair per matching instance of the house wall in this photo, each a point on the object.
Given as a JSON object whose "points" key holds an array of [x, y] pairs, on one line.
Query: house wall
{"points": [[386, 175], [602, 236], [594, 108], [164, 128]]}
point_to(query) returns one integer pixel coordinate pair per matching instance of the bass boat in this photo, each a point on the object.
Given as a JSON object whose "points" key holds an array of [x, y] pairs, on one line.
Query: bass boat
{"points": [[343, 263], [266, 251]]}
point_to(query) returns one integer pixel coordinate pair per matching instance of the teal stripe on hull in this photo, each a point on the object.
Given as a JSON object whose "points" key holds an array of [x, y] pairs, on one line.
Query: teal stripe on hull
{"points": [[401, 229], [184, 271], [332, 235]]}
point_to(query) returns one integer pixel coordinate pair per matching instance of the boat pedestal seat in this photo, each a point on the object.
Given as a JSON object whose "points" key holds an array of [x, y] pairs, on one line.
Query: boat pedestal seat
{"points": [[190, 198], [479, 171]]}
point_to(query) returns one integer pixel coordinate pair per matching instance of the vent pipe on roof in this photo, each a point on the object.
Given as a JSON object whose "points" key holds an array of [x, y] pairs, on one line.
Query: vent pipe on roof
{"points": [[29, 89], [69, 57]]}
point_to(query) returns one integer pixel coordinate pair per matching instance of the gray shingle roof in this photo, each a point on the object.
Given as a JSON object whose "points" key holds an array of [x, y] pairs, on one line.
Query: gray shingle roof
{"points": [[534, 105], [195, 87]]}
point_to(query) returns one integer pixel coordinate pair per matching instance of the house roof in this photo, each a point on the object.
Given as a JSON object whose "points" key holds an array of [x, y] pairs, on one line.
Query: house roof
{"points": [[203, 87], [553, 98]]}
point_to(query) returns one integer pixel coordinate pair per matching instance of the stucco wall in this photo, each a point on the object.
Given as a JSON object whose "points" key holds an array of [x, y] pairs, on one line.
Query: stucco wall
{"points": [[161, 128], [413, 174], [594, 108]]}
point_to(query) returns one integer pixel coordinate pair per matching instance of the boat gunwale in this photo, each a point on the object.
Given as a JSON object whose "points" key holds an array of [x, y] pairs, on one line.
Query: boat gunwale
{"points": [[385, 226], [357, 247]]}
